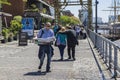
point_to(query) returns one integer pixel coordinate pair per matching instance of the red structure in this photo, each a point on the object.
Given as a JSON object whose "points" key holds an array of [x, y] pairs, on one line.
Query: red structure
{"points": [[16, 8]]}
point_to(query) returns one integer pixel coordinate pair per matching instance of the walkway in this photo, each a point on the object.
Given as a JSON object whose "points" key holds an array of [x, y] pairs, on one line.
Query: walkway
{"points": [[21, 63]]}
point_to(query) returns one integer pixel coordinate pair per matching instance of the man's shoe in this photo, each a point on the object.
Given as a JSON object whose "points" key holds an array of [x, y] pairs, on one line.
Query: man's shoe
{"points": [[39, 67], [39, 70], [69, 57], [74, 59], [48, 70]]}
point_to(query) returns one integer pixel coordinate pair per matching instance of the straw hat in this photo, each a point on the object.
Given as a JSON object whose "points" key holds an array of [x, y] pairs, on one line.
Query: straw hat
{"points": [[62, 29], [68, 27]]}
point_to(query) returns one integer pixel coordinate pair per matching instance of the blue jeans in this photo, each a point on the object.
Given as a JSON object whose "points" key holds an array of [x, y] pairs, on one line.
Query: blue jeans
{"points": [[45, 49], [61, 49]]}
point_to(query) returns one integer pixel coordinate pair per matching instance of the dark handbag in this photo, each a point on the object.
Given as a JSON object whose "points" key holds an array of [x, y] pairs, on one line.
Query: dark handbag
{"points": [[55, 44]]}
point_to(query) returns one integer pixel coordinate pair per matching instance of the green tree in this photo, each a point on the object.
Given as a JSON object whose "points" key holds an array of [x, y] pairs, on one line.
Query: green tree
{"points": [[64, 20], [5, 2], [15, 25]]}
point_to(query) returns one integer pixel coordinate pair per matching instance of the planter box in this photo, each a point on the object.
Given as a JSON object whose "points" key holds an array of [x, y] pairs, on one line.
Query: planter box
{"points": [[10, 39], [4, 41], [15, 38]]}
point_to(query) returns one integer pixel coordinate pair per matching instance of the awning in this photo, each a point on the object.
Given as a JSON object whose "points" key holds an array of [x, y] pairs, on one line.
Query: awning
{"points": [[47, 16], [5, 14], [44, 3]]}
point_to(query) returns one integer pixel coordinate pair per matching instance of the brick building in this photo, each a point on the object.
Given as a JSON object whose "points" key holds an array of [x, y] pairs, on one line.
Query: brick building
{"points": [[19, 7], [16, 8]]}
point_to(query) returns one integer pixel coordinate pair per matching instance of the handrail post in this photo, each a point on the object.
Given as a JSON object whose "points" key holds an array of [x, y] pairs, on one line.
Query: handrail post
{"points": [[115, 62], [110, 55], [105, 51]]}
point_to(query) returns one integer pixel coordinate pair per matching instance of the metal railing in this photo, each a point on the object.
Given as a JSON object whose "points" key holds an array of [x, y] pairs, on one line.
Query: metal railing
{"points": [[108, 51]]}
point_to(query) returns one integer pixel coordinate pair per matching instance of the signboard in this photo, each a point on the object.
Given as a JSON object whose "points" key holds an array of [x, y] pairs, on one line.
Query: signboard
{"points": [[23, 38], [28, 26]]}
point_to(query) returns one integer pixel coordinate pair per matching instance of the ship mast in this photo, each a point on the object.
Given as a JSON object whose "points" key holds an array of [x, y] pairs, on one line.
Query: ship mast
{"points": [[115, 11]]}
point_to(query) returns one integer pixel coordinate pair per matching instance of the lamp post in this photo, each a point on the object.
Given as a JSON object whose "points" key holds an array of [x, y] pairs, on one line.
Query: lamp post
{"points": [[96, 3]]}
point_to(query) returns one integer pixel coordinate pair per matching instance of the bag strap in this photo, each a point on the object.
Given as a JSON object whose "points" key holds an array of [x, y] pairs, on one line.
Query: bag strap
{"points": [[41, 33]]}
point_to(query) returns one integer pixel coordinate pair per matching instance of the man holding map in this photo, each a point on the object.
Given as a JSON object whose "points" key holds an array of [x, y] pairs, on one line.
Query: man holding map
{"points": [[45, 38]]}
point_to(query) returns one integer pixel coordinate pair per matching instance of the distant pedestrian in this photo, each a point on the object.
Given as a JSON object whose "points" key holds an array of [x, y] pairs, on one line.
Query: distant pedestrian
{"points": [[45, 37], [56, 28], [71, 42], [77, 29], [83, 33], [61, 41]]}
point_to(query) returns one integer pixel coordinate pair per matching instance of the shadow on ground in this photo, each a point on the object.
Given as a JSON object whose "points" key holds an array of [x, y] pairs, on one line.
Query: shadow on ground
{"points": [[65, 60], [37, 73]]}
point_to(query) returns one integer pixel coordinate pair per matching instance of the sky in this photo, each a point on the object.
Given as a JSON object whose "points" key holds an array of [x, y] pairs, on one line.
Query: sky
{"points": [[102, 5]]}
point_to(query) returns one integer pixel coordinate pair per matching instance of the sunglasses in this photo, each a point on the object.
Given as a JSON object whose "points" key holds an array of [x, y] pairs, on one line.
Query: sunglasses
{"points": [[47, 26]]}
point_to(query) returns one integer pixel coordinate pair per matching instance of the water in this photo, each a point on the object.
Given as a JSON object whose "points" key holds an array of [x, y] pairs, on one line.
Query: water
{"points": [[103, 31]]}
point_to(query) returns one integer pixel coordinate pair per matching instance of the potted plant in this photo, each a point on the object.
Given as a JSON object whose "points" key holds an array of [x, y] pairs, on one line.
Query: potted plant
{"points": [[16, 26], [10, 37], [5, 32]]}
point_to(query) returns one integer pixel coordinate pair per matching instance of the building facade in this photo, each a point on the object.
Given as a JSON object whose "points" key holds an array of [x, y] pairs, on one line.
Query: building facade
{"points": [[31, 8], [83, 16], [16, 8]]}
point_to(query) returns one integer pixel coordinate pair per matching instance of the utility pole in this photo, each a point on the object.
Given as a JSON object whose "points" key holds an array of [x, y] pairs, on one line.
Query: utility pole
{"points": [[57, 5], [96, 3], [81, 2], [96, 26], [89, 14], [57, 10]]}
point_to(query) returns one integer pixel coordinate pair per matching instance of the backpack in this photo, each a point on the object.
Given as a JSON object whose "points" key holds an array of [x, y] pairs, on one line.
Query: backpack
{"points": [[40, 36]]}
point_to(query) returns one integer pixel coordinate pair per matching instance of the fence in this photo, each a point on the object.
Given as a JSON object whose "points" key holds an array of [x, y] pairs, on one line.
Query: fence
{"points": [[108, 51]]}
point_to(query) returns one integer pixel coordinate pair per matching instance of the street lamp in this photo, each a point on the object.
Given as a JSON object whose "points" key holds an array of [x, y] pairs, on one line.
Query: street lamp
{"points": [[96, 3]]}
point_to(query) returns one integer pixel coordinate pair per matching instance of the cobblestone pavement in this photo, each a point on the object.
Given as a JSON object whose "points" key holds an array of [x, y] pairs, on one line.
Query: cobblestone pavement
{"points": [[21, 63]]}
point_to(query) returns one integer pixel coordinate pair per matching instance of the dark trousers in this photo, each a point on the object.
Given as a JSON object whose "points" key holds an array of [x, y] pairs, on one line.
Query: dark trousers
{"points": [[77, 35], [61, 49], [71, 51], [45, 49]]}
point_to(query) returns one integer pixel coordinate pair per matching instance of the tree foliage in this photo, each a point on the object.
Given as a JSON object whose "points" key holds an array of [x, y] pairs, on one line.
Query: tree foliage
{"points": [[5, 32], [15, 24], [69, 20], [5, 2]]}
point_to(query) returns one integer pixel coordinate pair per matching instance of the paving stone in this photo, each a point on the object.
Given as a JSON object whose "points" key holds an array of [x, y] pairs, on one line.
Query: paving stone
{"points": [[21, 63]]}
